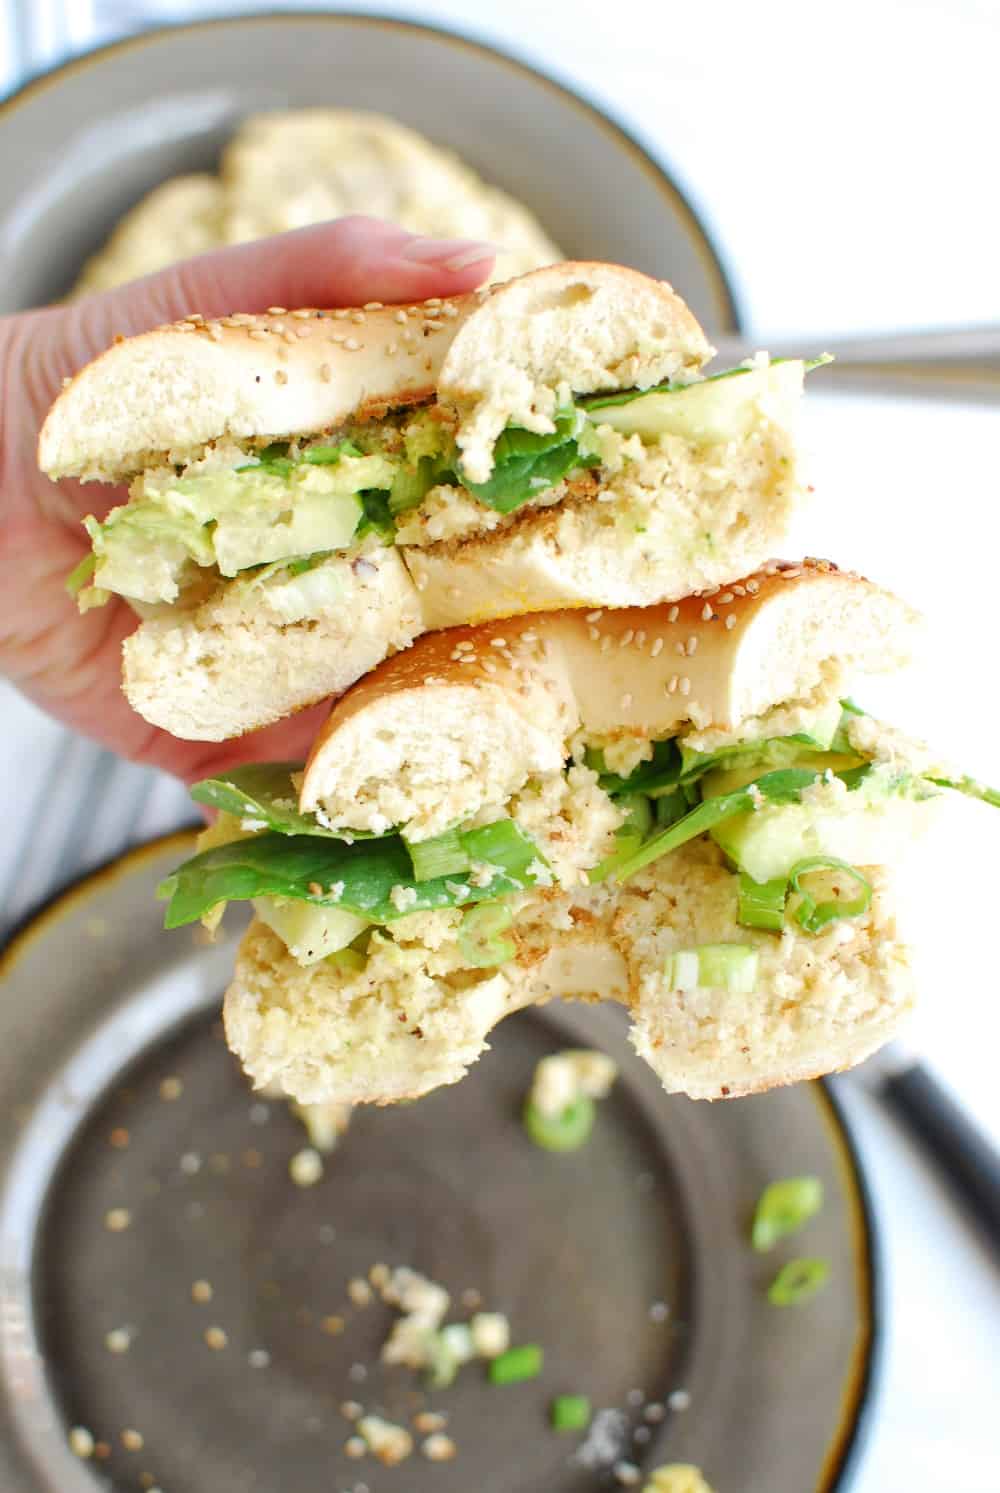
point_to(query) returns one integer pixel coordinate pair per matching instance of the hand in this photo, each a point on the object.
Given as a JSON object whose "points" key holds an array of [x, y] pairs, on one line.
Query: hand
{"points": [[71, 664]]}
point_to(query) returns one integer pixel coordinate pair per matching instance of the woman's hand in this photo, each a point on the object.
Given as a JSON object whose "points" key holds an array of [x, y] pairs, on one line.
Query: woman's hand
{"points": [[70, 664]]}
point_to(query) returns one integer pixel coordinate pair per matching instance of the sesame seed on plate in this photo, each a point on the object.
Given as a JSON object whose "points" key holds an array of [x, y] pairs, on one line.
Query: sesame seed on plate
{"points": [[116, 1220], [201, 1291], [351, 1409], [438, 1447], [355, 1447], [215, 1338], [118, 1340], [133, 1441]]}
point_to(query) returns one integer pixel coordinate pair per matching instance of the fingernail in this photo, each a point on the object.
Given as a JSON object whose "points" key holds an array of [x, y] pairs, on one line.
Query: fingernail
{"points": [[449, 253]]}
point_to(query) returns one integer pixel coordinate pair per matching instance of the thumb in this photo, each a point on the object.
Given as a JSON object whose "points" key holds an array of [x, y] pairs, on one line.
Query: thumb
{"points": [[343, 263]]}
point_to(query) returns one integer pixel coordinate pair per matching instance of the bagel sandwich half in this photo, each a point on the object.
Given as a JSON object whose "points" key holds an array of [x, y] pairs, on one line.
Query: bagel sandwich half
{"points": [[672, 807], [311, 490]]}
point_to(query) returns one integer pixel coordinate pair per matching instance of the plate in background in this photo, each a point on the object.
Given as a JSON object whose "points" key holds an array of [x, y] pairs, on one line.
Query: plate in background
{"points": [[100, 1005], [83, 143]]}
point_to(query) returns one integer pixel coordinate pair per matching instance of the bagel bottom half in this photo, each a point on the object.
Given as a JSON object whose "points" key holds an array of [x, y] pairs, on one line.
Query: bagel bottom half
{"points": [[418, 1014]]}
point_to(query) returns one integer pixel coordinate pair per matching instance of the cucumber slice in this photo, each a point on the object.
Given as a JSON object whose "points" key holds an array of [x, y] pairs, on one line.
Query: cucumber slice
{"points": [[718, 409]]}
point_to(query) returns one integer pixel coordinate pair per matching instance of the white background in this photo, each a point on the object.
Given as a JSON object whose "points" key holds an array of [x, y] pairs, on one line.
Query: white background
{"points": [[845, 157]]}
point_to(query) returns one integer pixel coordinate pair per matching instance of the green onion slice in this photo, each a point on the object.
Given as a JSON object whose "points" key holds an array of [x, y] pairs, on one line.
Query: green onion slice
{"points": [[629, 836], [761, 904], [328, 456], [566, 1131], [479, 935], [965, 785], [798, 1282], [784, 1207], [502, 843], [814, 916], [517, 1364], [445, 855], [718, 966], [570, 1413]]}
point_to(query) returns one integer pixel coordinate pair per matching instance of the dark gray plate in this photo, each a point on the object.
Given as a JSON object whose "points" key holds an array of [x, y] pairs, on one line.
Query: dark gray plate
{"points": [[99, 1005], [80, 145]]}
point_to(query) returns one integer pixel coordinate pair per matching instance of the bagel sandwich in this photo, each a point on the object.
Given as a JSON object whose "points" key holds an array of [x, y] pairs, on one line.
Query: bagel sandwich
{"points": [[672, 807], [312, 490]]}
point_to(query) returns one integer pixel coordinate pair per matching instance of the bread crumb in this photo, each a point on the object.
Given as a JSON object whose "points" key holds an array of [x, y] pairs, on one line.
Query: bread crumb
{"points": [[306, 1167]]}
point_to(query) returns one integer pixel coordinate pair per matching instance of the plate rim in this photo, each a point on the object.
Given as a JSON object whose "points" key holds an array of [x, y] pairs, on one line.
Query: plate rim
{"points": [[728, 307], [860, 1392]]}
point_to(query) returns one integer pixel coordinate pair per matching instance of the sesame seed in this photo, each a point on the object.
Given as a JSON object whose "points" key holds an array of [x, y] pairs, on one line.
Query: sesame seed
{"points": [[640, 638], [352, 344], [258, 334], [753, 587], [725, 598], [171, 1088], [489, 666], [132, 1441], [195, 318], [215, 332], [672, 686], [432, 301], [333, 1325], [679, 1399], [626, 702], [277, 311], [593, 634], [355, 1447], [730, 622], [595, 616], [679, 649], [685, 686], [657, 648], [498, 642], [116, 1220], [692, 646], [303, 331], [341, 314], [626, 638], [672, 614], [190, 1163], [429, 1420], [659, 1311], [301, 313], [358, 318], [653, 1412], [81, 1442], [280, 376], [351, 1410], [357, 1373], [215, 1338], [449, 310], [626, 1473], [201, 1291], [706, 613], [325, 372], [606, 644], [439, 1447], [529, 637], [434, 324], [119, 1138], [118, 1340], [279, 326], [392, 349], [360, 1291], [259, 1358], [740, 590], [400, 316]]}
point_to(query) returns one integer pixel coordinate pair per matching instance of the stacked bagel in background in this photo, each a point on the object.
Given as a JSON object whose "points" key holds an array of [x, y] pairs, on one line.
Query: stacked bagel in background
{"points": [[587, 738]]}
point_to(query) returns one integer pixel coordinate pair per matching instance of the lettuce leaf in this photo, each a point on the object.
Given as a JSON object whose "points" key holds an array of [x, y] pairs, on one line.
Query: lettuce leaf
{"points": [[264, 793], [525, 464], [305, 867]]}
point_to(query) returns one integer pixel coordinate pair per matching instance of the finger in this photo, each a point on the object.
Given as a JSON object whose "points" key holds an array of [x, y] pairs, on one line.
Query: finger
{"points": [[344, 263]]}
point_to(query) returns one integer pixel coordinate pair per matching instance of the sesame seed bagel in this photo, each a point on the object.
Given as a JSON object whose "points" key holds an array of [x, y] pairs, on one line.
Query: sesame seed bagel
{"points": [[463, 718], [494, 356], [417, 1016]]}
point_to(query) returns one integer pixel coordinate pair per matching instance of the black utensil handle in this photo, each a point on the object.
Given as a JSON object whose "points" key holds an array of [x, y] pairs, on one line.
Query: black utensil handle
{"points": [[970, 1162]]}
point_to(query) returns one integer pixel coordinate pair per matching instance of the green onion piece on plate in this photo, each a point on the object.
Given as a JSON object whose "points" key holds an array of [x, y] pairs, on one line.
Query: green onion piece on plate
{"points": [[445, 855], [797, 1282], [517, 1364], [784, 1207], [713, 966], [570, 1413], [814, 916], [761, 904], [566, 1131], [479, 935]]}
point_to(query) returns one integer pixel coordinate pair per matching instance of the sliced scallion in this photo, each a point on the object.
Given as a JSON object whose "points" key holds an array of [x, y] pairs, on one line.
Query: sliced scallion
{"points": [[713, 966], [480, 935], [80, 574], [798, 1282], [761, 904], [629, 835], [570, 1413], [517, 1364], [784, 1207], [814, 916], [347, 959], [445, 855], [328, 456], [566, 1131], [502, 843], [965, 785]]}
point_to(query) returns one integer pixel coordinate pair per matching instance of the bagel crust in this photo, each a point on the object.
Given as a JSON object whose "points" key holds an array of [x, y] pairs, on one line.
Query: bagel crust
{"points": [[168, 393], [499, 703]]}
